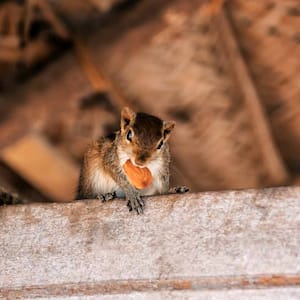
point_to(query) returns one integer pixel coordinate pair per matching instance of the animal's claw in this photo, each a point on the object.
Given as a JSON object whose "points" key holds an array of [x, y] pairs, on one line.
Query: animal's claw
{"points": [[136, 203], [107, 197]]}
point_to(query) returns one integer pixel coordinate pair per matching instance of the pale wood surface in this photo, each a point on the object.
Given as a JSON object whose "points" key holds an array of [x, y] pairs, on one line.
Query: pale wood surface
{"points": [[192, 243], [278, 294]]}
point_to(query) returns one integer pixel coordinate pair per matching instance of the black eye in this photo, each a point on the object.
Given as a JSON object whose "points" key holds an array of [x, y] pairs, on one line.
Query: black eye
{"points": [[160, 144], [129, 135]]}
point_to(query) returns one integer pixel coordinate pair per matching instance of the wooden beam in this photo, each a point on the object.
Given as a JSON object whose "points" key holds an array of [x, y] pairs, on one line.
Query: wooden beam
{"points": [[237, 243], [38, 162], [273, 26], [272, 159], [98, 80], [8, 55]]}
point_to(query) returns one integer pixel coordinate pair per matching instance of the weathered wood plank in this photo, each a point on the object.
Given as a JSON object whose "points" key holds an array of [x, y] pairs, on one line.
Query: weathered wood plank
{"points": [[221, 240], [278, 294], [283, 293]]}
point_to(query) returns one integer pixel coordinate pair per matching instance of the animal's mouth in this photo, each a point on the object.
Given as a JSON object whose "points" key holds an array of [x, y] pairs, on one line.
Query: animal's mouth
{"points": [[139, 165], [138, 177]]}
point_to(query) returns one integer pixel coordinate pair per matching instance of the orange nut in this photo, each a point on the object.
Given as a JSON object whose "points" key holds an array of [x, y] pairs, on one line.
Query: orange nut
{"points": [[138, 177]]}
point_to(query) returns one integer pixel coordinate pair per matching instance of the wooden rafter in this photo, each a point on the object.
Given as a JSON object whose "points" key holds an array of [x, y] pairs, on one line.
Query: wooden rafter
{"points": [[273, 161]]}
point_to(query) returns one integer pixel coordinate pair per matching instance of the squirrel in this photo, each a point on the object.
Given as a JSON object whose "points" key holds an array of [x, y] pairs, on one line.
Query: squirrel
{"points": [[141, 141]]}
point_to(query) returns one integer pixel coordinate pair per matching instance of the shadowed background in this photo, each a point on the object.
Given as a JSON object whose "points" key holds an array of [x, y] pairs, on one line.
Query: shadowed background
{"points": [[226, 71]]}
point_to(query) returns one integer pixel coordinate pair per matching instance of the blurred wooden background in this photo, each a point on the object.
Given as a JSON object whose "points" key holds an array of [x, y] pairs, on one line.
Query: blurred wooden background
{"points": [[226, 71]]}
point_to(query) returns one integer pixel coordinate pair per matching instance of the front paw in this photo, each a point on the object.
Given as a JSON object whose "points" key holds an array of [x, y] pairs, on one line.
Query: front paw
{"points": [[179, 190], [135, 203], [107, 197]]}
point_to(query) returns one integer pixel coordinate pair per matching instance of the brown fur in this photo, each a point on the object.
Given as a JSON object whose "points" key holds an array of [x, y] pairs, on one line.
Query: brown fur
{"points": [[103, 161]]}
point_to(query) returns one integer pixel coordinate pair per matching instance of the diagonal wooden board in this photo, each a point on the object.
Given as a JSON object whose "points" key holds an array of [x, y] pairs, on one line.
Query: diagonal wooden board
{"points": [[40, 164], [272, 160]]}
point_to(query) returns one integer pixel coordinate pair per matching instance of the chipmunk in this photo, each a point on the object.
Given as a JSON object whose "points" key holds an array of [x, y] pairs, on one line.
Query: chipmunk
{"points": [[141, 142]]}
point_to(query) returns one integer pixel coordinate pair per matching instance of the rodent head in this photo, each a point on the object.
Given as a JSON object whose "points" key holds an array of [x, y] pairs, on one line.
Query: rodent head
{"points": [[143, 137]]}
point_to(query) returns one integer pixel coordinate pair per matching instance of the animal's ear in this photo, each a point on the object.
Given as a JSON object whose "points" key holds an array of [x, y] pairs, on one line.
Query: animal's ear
{"points": [[127, 117], [167, 128]]}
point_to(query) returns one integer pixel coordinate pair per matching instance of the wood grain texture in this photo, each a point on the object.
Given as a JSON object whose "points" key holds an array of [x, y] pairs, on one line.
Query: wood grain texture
{"points": [[272, 160], [268, 34], [191, 243], [278, 294]]}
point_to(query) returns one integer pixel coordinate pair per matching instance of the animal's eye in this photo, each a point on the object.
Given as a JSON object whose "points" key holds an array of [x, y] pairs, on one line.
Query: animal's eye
{"points": [[129, 135], [160, 144]]}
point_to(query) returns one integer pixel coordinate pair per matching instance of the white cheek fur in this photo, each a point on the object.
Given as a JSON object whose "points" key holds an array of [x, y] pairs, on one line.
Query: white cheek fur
{"points": [[123, 156], [156, 168]]}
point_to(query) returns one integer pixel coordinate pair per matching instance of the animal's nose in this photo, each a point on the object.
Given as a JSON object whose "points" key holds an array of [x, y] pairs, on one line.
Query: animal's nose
{"points": [[141, 159]]}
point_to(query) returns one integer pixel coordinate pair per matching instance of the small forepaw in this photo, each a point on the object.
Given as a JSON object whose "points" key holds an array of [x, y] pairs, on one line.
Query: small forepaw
{"points": [[179, 190], [107, 197], [136, 203]]}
